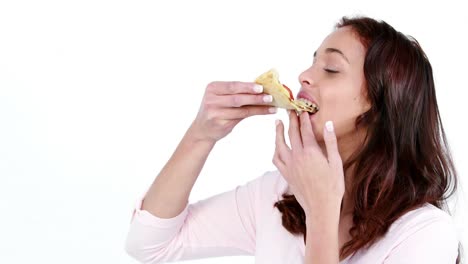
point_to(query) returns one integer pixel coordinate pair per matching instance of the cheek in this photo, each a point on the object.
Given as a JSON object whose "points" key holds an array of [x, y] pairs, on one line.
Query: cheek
{"points": [[339, 103], [342, 105]]}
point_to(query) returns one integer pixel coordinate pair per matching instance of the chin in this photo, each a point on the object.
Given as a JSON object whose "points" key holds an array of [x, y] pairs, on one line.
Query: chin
{"points": [[317, 126], [318, 135]]}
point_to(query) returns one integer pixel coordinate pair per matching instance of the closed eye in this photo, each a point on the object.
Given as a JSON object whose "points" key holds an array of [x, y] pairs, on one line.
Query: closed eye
{"points": [[331, 71]]}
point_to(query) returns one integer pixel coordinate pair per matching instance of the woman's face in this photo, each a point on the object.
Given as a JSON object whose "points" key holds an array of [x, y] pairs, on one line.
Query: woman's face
{"points": [[336, 82]]}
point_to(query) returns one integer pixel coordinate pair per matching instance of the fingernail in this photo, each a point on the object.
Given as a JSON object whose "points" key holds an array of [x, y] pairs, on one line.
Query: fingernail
{"points": [[277, 122], [267, 98], [258, 88], [272, 110], [329, 126]]}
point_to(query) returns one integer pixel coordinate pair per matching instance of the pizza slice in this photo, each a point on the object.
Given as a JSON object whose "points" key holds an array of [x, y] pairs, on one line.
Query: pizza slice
{"points": [[282, 95]]}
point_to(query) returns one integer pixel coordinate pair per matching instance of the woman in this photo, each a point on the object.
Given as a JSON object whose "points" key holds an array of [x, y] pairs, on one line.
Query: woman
{"points": [[365, 180]]}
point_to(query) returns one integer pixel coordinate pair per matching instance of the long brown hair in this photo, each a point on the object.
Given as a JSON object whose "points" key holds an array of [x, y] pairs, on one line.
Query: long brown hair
{"points": [[405, 161]]}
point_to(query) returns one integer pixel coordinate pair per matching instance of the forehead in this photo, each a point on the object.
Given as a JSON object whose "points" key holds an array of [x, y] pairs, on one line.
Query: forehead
{"points": [[346, 40]]}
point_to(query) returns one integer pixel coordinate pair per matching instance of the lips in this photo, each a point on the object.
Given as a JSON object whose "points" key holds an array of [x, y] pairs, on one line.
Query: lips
{"points": [[307, 96]]}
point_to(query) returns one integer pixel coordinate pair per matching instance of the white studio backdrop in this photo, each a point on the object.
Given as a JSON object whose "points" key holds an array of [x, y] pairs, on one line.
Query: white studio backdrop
{"points": [[95, 96]]}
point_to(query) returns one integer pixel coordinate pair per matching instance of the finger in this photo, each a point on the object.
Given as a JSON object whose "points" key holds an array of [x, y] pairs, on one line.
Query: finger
{"points": [[246, 111], [281, 149], [238, 100], [294, 133], [222, 88], [280, 141], [334, 158], [278, 162], [307, 132]]}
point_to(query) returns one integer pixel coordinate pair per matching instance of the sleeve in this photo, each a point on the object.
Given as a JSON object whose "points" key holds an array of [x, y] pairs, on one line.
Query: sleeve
{"points": [[434, 243], [221, 225]]}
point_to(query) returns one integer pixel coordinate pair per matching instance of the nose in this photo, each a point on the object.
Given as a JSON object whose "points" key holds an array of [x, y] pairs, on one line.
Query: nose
{"points": [[306, 78]]}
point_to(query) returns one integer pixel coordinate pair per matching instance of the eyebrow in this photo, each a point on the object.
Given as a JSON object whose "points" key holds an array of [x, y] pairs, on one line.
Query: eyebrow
{"points": [[332, 50]]}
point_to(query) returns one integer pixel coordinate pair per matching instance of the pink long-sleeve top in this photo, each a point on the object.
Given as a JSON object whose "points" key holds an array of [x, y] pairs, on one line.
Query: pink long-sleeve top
{"points": [[243, 221]]}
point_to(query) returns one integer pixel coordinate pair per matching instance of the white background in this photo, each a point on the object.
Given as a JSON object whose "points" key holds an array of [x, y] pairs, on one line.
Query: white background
{"points": [[95, 96]]}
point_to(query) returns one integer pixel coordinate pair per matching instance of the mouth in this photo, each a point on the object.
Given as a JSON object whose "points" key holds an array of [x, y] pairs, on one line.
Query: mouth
{"points": [[307, 103]]}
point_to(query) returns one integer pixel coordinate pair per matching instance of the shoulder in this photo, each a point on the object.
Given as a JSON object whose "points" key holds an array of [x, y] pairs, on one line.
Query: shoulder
{"points": [[423, 235], [269, 188], [425, 222], [273, 184], [427, 218]]}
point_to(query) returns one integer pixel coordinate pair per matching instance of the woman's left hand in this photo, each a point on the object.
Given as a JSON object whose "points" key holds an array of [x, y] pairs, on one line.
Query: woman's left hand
{"points": [[316, 180]]}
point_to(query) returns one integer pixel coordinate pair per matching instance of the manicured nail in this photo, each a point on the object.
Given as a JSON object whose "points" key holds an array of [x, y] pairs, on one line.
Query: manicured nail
{"points": [[272, 110], [258, 88], [329, 126], [267, 98]]}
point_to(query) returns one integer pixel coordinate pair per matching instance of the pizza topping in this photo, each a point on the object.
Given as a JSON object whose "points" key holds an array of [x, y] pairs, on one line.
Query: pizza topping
{"points": [[306, 105], [307, 102], [291, 96]]}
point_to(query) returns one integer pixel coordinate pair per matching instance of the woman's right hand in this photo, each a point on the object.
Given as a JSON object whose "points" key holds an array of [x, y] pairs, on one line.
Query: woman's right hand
{"points": [[224, 105]]}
